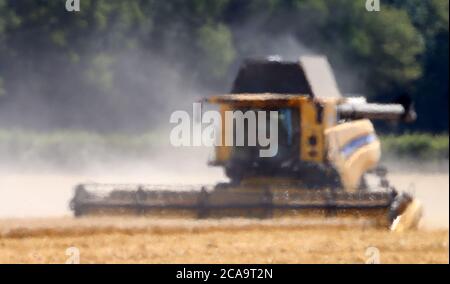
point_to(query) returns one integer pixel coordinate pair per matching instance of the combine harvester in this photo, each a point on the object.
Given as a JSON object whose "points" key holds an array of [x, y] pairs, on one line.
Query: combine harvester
{"points": [[327, 151]]}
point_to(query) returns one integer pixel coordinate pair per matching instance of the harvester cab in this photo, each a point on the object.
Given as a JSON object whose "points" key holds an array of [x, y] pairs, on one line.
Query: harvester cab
{"points": [[326, 147]]}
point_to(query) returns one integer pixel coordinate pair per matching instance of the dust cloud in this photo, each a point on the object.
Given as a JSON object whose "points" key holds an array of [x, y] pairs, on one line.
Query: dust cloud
{"points": [[426, 180], [46, 193]]}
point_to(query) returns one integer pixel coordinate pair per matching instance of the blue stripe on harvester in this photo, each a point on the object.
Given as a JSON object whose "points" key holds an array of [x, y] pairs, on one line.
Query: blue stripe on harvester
{"points": [[357, 143]]}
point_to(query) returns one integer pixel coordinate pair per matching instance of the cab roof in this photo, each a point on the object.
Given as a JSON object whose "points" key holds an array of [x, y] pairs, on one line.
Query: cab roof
{"points": [[310, 75]]}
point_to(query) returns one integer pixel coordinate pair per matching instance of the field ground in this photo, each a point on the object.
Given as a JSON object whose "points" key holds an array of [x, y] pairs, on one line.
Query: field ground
{"points": [[228, 241], [35, 226]]}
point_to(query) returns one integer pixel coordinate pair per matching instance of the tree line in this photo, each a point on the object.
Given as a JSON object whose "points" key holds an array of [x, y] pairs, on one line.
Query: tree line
{"points": [[80, 60]]}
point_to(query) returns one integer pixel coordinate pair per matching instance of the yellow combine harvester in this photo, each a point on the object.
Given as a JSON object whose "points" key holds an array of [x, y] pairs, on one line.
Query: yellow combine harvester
{"points": [[327, 149]]}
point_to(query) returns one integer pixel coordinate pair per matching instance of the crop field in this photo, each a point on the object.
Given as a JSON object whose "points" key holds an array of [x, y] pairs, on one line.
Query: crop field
{"points": [[36, 225], [228, 241]]}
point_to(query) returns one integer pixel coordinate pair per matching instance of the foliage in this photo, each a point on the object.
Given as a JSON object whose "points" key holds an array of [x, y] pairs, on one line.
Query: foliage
{"points": [[72, 59], [417, 146]]}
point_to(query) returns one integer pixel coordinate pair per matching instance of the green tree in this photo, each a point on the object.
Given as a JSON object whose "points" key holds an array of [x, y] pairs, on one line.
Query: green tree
{"points": [[216, 44], [75, 59], [385, 46], [430, 92]]}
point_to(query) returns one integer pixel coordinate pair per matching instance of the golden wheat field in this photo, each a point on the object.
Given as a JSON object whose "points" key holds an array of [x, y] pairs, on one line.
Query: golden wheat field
{"points": [[114, 240], [36, 227]]}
